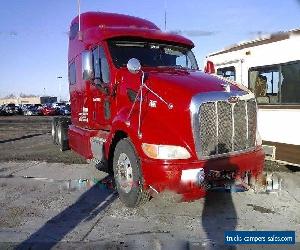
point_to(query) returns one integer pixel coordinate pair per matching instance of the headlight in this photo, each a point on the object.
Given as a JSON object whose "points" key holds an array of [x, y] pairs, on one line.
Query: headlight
{"points": [[165, 152], [258, 141]]}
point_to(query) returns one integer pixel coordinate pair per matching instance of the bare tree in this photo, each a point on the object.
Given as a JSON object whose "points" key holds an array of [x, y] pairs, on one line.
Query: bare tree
{"points": [[27, 95], [10, 96]]}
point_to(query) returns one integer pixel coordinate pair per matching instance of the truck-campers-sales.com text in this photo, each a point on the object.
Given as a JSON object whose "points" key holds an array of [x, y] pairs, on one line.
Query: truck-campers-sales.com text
{"points": [[261, 239]]}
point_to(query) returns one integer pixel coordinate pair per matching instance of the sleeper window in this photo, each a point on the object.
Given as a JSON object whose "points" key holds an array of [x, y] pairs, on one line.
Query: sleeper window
{"points": [[72, 73]]}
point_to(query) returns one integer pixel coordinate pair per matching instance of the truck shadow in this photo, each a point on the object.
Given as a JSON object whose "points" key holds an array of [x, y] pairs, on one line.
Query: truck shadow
{"points": [[22, 137], [219, 213], [88, 206]]}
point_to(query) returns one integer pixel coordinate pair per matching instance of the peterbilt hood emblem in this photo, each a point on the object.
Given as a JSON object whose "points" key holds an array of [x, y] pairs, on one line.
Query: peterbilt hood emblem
{"points": [[226, 86], [233, 99]]}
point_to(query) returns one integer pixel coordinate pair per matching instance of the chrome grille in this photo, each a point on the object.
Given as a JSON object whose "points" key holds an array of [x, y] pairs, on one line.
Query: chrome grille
{"points": [[226, 127], [208, 136], [225, 132], [240, 126]]}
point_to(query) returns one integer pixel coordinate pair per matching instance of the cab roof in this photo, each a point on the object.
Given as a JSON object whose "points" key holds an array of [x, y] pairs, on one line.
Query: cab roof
{"points": [[112, 25]]}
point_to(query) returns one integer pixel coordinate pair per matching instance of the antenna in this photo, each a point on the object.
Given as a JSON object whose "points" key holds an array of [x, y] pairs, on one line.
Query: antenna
{"points": [[79, 14], [80, 36], [165, 15]]}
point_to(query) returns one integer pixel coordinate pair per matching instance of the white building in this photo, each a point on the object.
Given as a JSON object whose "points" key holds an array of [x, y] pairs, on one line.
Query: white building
{"points": [[270, 67]]}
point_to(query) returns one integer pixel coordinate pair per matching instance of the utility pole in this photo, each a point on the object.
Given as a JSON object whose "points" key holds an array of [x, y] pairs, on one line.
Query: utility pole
{"points": [[59, 86]]}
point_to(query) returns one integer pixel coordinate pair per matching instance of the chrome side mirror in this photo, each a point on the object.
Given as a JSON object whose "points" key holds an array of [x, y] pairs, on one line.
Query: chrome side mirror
{"points": [[134, 66], [87, 65]]}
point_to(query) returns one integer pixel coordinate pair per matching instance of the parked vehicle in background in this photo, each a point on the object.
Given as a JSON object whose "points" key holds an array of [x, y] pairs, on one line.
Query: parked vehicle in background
{"points": [[38, 106], [64, 110], [48, 110], [58, 104], [141, 108], [32, 111], [2, 110], [24, 108], [10, 109]]}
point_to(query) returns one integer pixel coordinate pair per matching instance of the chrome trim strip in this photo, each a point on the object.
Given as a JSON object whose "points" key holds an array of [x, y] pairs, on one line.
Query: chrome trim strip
{"points": [[247, 131], [217, 126], [213, 96], [233, 127]]}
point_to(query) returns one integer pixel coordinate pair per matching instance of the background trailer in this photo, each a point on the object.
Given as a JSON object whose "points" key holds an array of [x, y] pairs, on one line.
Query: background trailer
{"points": [[270, 67]]}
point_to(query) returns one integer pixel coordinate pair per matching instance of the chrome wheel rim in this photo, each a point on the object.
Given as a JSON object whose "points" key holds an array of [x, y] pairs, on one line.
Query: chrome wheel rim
{"points": [[124, 173]]}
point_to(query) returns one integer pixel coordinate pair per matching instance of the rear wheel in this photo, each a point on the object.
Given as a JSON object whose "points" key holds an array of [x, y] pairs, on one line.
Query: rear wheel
{"points": [[54, 130], [128, 175], [59, 132], [62, 133]]}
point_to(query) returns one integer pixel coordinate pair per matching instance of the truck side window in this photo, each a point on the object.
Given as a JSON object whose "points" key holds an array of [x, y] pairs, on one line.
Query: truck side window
{"points": [[72, 73], [100, 64], [104, 66], [96, 64]]}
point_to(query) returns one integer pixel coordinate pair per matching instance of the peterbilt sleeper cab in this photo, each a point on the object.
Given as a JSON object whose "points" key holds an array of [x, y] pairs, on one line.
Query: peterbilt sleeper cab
{"points": [[141, 107]]}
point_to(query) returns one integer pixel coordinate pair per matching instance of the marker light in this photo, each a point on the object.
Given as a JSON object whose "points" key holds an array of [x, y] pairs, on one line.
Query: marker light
{"points": [[165, 152], [258, 140]]}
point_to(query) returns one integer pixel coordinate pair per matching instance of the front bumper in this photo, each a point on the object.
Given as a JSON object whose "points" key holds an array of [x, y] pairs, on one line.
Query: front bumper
{"points": [[160, 176]]}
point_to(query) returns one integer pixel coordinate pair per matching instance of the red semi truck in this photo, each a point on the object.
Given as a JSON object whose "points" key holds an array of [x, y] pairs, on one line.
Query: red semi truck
{"points": [[141, 107]]}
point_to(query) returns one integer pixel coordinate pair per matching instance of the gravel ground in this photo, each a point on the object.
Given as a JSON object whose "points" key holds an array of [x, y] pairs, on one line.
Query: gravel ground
{"points": [[54, 197], [27, 138]]}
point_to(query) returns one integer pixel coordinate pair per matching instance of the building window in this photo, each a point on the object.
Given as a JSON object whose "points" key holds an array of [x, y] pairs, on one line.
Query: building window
{"points": [[72, 73], [276, 84], [264, 83], [290, 84], [100, 64], [228, 72]]}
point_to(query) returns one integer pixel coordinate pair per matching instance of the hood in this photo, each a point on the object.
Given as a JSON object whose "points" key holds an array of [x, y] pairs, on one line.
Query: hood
{"points": [[185, 83]]}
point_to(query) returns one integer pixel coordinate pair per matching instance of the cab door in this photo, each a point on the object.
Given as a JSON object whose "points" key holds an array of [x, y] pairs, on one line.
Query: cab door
{"points": [[100, 90]]}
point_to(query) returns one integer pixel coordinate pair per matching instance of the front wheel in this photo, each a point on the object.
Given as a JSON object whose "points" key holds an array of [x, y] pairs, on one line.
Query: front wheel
{"points": [[128, 175]]}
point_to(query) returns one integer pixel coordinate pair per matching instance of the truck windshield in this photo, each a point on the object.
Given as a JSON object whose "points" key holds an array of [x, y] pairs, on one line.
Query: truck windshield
{"points": [[152, 54]]}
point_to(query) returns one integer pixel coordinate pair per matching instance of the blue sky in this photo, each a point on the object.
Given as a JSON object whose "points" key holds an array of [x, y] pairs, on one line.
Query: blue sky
{"points": [[33, 40]]}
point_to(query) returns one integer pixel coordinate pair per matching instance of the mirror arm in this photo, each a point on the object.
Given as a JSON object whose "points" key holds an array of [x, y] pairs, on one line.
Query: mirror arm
{"points": [[103, 87]]}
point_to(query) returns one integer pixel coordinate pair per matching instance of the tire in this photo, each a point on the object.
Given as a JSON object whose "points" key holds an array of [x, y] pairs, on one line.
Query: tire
{"points": [[62, 134], [54, 130], [128, 179]]}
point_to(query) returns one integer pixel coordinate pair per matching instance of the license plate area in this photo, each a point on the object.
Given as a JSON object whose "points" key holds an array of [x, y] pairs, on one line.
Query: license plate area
{"points": [[221, 175], [193, 175]]}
